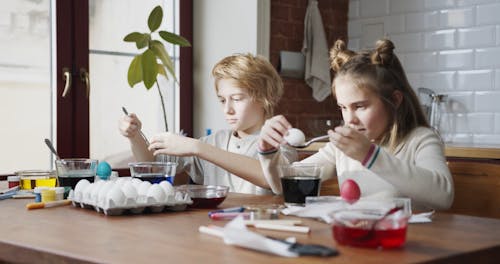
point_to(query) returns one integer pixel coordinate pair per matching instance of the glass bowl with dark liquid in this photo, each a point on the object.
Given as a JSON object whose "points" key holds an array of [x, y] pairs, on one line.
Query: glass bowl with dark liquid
{"points": [[153, 172], [71, 171], [384, 225], [205, 196]]}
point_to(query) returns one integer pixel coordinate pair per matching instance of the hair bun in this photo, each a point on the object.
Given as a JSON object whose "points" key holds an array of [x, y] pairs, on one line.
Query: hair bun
{"points": [[383, 53], [339, 54]]}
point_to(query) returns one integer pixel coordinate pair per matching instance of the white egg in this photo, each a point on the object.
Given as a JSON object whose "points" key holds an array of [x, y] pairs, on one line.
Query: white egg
{"points": [[115, 197], [80, 186], [86, 193], [129, 190], [95, 192], [167, 188], [157, 193], [295, 137], [143, 188], [135, 181], [101, 196]]}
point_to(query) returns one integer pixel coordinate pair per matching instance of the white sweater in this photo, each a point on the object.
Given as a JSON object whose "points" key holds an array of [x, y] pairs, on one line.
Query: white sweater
{"points": [[416, 170]]}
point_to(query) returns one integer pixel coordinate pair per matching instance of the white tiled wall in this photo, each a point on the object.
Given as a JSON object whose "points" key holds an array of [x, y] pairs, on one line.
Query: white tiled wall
{"points": [[449, 46]]}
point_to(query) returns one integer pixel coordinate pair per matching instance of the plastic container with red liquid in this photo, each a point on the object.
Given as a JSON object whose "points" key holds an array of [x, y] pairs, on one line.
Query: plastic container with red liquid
{"points": [[371, 226]]}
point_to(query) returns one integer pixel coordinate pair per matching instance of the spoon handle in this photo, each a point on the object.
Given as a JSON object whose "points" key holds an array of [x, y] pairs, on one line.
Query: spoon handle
{"points": [[51, 147], [317, 139]]}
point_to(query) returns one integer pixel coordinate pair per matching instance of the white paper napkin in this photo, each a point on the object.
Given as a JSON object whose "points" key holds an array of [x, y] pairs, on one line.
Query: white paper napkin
{"points": [[421, 218], [236, 233], [323, 210]]}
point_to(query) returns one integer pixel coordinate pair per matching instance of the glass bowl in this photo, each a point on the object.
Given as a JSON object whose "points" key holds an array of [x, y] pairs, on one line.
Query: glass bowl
{"points": [[205, 196], [373, 224], [153, 172], [71, 171]]}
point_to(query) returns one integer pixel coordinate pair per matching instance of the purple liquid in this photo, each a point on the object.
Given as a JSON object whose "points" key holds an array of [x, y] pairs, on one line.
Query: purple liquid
{"points": [[206, 202], [154, 177], [296, 188]]}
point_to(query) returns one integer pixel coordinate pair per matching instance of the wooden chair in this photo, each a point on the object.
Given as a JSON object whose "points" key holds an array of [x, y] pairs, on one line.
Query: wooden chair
{"points": [[477, 188]]}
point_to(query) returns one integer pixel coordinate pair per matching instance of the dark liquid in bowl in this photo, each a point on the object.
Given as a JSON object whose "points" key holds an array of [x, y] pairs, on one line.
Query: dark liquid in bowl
{"points": [[154, 177], [206, 202], [296, 188], [387, 238], [72, 181]]}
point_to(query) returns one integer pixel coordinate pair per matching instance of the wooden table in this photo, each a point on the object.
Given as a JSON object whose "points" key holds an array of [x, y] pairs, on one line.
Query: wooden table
{"points": [[75, 235]]}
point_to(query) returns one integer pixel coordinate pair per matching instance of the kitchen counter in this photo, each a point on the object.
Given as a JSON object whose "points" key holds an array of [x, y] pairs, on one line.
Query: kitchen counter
{"points": [[474, 151]]}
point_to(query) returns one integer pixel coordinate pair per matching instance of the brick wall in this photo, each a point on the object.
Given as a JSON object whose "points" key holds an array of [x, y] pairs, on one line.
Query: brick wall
{"points": [[287, 32]]}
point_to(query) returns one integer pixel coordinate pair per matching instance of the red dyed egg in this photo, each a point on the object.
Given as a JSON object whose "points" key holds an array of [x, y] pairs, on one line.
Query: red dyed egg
{"points": [[349, 191]]}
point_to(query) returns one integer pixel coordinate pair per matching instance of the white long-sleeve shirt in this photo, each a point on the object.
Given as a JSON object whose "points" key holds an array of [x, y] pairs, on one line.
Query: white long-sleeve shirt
{"points": [[416, 170]]}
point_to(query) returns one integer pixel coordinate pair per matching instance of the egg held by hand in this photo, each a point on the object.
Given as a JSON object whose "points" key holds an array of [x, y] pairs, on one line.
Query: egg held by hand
{"points": [[349, 191], [295, 137]]}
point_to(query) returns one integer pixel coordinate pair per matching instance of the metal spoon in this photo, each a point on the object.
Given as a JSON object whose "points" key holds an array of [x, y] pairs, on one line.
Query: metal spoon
{"points": [[51, 147], [320, 138], [140, 132]]}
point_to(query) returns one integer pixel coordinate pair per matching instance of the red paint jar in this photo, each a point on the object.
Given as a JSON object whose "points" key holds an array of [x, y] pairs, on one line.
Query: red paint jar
{"points": [[13, 181]]}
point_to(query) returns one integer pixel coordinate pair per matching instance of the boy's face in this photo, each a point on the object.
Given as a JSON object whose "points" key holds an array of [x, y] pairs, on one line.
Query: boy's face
{"points": [[243, 114], [361, 109]]}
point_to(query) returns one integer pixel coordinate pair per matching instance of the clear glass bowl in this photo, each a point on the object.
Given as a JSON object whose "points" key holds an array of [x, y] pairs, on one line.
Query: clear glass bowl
{"points": [[205, 196], [71, 171], [153, 172]]}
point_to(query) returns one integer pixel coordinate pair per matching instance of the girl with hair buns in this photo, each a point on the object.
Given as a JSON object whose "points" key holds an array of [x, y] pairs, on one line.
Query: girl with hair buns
{"points": [[386, 144], [248, 88]]}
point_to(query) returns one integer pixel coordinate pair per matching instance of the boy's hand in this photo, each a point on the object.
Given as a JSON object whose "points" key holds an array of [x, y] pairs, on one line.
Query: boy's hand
{"points": [[130, 125], [272, 133], [173, 144]]}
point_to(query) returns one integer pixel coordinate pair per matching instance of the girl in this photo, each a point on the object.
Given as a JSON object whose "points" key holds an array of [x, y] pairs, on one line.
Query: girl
{"points": [[386, 145], [248, 88]]}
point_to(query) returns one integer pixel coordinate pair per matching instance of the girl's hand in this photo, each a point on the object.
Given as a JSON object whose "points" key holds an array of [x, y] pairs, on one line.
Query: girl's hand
{"points": [[348, 140], [130, 125], [272, 133], [173, 144]]}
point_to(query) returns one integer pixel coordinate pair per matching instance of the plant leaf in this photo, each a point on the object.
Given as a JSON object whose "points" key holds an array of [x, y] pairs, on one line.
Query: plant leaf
{"points": [[162, 53], [149, 68], [134, 75], [133, 37], [174, 39], [161, 70], [154, 20], [143, 42]]}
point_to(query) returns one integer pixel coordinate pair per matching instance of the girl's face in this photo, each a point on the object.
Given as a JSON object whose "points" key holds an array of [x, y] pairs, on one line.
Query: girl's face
{"points": [[243, 114], [361, 109]]}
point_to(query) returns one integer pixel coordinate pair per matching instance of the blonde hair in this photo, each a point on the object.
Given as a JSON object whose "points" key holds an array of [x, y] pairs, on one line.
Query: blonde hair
{"points": [[255, 74], [380, 71]]}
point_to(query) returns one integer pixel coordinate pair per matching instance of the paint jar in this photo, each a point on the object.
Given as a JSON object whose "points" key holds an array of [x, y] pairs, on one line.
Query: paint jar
{"points": [[36, 178], [13, 181], [48, 195], [38, 193], [59, 193]]}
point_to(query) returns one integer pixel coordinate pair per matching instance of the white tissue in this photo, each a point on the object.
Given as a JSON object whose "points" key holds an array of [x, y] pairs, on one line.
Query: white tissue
{"points": [[236, 233]]}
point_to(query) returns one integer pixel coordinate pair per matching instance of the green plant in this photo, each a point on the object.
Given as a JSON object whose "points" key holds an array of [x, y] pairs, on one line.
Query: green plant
{"points": [[155, 60]]}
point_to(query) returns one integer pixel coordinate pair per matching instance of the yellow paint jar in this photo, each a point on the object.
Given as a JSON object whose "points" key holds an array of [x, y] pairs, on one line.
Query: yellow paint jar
{"points": [[48, 195], [29, 179]]}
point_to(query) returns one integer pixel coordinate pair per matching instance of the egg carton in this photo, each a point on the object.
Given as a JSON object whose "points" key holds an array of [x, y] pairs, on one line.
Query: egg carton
{"points": [[127, 195]]}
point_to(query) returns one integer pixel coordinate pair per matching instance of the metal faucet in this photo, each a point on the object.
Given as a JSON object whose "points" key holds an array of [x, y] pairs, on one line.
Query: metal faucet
{"points": [[432, 112]]}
